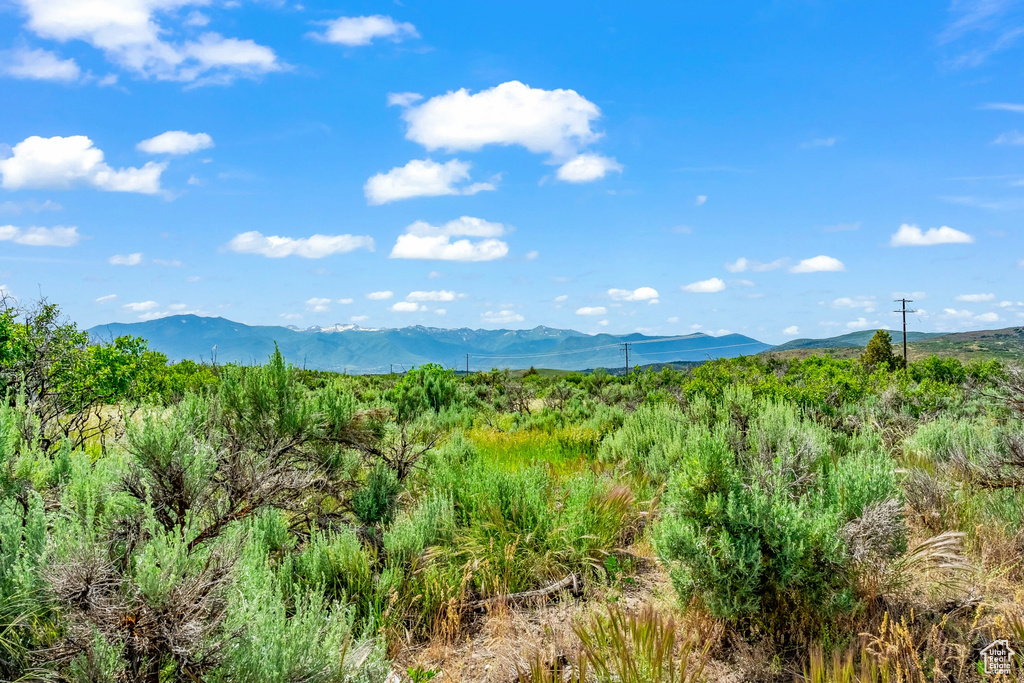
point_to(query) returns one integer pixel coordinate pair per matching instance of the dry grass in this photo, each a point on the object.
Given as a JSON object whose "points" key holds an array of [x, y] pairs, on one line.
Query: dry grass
{"points": [[498, 642]]}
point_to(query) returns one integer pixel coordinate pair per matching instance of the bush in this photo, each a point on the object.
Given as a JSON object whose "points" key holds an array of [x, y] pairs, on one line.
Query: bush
{"points": [[431, 522], [755, 536], [427, 388], [648, 440], [306, 637], [374, 502]]}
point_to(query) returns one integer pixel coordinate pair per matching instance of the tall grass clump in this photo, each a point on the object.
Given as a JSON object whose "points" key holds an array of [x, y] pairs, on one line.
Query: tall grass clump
{"points": [[619, 646], [497, 530]]}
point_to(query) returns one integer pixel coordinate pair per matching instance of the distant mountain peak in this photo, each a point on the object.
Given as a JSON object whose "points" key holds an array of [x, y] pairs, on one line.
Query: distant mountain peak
{"points": [[336, 327]]}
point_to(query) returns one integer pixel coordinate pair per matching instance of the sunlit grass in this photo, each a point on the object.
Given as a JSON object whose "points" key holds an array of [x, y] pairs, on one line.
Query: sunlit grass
{"points": [[567, 450]]}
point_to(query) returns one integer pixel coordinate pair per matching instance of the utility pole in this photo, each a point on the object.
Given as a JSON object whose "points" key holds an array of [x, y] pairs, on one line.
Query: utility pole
{"points": [[467, 365], [625, 345], [904, 310], [391, 369]]}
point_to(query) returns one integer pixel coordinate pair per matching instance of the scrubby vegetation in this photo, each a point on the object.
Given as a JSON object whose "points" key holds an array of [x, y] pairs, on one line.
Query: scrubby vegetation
{"points": [[816, 519]]}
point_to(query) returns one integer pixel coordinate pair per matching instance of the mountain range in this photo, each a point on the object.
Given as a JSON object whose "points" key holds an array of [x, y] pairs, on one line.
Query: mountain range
{"points": [[353, 349], [348, 348]]}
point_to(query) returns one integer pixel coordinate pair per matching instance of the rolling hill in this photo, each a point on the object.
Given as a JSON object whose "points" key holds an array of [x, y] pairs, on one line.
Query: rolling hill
{"points": [[853, 339], [1005, 344], [347, 348]]}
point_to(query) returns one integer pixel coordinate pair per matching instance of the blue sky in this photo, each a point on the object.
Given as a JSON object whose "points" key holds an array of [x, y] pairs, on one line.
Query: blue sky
{"points": [[778, 169]]}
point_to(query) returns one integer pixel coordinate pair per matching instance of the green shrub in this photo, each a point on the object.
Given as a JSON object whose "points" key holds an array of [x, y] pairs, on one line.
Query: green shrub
{"points": [[944, 438], [648, 440], [427, 388], [22, 598], [947, 370], [334, 563], [100, 662], [306, 637], [431, 522], [755, 535], [374, 502]]}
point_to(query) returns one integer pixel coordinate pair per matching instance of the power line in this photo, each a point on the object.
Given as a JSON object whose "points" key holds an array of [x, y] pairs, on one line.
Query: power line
{"points": [[593, 348], [549, 353], [619, 344], [904, 310]]}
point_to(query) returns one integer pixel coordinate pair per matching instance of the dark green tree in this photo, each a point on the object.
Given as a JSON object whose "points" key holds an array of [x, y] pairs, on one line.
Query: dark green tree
{"points": [[879, 352]]}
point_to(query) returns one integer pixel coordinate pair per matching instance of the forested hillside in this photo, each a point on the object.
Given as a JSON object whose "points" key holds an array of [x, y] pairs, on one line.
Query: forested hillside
{"points": [[752, 519]]}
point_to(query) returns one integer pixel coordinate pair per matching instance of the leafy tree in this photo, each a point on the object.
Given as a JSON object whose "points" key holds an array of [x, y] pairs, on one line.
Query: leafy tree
{"points": [[67, 383]]}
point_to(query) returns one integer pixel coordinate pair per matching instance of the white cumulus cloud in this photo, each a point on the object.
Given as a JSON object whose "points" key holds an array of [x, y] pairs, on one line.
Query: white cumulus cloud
{"points": [[38, 65], [441, 295], [141, 306], [175, 142], [639, 294], [380, 296], [138, 36], [403, 99], [556, 122], [425, 241], [858, 324], [501, 317], [865, 302], [358, 31], [954, 313], [316, 246], [407, 307], [125, 259], [912, 236], [975, 298], [591, 310], [708, 286], [819, 264], [422, 178], [743, 264], [57, 236], [318, 305], [66, 162], [584, 168], [740, 265], [791, 331]]}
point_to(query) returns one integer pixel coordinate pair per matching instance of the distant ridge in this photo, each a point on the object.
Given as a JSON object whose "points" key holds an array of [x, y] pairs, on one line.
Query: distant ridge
{"points": [[357, 350], [1006, 344], [860, 338]]}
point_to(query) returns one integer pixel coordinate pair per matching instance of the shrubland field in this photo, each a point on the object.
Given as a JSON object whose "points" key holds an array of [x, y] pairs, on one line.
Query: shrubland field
{"points": [[755, 519]]}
